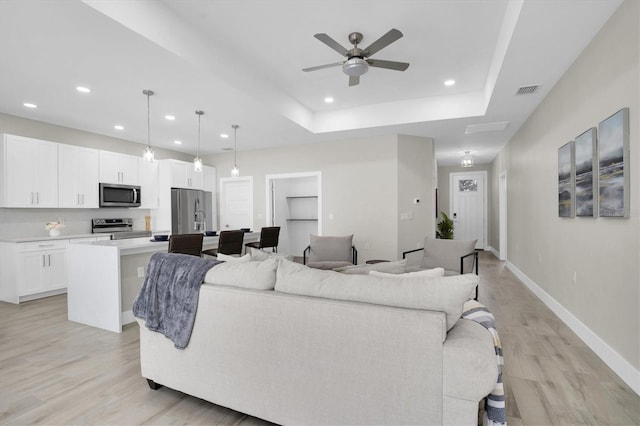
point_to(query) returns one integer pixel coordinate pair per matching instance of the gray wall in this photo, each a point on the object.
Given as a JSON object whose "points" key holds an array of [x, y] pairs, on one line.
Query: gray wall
{"points": [[360, 186], [603, 253]]}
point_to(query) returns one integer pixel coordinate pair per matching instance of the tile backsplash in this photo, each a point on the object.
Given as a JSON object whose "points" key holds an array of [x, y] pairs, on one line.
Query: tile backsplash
{"points": [[25, 223]]}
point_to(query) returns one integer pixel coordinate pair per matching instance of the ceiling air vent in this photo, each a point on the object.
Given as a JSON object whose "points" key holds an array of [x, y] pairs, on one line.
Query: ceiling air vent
{"points": [[528, 90]]}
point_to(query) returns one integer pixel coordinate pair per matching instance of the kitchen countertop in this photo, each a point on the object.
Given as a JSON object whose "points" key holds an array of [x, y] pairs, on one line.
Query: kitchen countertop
{"points": [[48, 238]]}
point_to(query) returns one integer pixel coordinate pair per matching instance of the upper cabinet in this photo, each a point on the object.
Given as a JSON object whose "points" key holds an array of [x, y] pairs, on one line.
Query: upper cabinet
{"points": [[183, 175], [118, 168], [148, 179], [29, 172], [78, 177]]}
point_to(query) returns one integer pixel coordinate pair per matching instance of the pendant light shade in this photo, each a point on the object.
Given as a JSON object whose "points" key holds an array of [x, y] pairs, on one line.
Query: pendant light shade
{"points": [[467, 160], [197, 162], [148, 154], [235, 171]]}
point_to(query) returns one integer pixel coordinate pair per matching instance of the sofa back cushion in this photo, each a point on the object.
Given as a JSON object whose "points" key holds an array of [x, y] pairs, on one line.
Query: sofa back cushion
{"points": [[255, 275], [441, 253], [444, 294]]}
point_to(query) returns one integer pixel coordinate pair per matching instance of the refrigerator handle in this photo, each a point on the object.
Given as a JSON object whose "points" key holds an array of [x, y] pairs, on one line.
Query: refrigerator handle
{"points": [[179, 202]]}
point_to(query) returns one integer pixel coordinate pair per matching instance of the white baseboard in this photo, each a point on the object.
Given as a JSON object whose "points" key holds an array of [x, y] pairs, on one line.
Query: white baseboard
{"points": [[127, 317], [627, 372], [495, 252]]}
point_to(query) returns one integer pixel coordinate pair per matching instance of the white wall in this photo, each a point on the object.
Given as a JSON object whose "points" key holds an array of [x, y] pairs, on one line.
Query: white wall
{"points": [[359, 187], [604, 301]]}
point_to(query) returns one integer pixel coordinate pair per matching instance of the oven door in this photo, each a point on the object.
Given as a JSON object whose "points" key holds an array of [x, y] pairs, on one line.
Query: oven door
{"points": [[113, 195]]}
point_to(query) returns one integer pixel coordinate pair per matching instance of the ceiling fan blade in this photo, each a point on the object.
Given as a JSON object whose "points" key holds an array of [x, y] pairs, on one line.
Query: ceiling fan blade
{"points": [[391, 65], [321, 67], [331, 43], [382, 42], [354, 80]]}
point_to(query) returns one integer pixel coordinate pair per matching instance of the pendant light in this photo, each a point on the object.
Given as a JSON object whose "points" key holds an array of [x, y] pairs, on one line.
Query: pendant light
{"points": [[147, 155], [197, 162], [467, 160], [235, 172]]}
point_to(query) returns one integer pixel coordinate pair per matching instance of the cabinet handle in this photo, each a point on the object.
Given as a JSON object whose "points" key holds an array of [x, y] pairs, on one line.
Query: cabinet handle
{"points": [[49, 256], [45, 245], [37, 198], [43, 265]]}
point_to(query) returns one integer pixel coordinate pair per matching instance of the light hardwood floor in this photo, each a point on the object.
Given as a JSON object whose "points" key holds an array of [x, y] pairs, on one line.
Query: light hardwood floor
{"points": [[53, 371]]}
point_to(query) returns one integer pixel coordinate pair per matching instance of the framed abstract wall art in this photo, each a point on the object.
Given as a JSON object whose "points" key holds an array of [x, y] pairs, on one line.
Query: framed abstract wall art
{"points": [[613, 165], [586, 167], [566, 180]]}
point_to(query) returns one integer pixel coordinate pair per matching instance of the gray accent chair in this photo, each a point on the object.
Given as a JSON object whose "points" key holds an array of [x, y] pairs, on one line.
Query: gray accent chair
{"points": [[330, 252], [455, 256]]}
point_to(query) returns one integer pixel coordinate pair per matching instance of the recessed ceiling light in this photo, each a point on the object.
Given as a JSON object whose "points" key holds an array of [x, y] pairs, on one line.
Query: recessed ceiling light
{"points": [[82, 89], [328, 99], [118, 127], [30, 105], [178, 142], [449, 82], [224, 136], [169, 117]]}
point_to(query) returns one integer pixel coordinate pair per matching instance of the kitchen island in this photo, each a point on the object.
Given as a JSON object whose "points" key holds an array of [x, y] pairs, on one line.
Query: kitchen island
{"points": [[104, 278]]}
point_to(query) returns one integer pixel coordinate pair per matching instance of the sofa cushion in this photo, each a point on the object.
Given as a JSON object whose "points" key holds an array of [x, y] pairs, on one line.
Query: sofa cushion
{"points": [[229, 258], [256, 275], [330, 248], [396, 267], [435, 272], [444, 294], [257, 254], [440, 253], [329, 265]]}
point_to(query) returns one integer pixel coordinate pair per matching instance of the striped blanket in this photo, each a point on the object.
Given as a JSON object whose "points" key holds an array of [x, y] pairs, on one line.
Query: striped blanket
{"points": [[494, 406]]}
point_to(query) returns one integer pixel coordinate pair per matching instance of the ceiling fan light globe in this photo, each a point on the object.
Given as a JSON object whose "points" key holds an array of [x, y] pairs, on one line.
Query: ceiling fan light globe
{"points": [[355, 67]]}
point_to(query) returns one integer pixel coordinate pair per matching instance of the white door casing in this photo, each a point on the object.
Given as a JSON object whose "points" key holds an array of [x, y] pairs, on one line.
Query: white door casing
{"points": [[502, 194], [468, 209], [236, 203]]}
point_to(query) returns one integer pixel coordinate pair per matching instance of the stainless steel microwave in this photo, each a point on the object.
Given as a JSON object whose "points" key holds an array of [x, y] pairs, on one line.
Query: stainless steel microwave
{"points": [[115, 195]]}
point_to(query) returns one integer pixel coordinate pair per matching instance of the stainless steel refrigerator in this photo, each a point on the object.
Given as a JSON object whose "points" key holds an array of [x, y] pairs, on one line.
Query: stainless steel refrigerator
{"points": [[191, 211]]}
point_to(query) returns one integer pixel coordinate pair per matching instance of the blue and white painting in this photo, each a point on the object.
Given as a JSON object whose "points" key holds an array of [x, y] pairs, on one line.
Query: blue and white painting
{"points": [[585, 166], [613, 173]]}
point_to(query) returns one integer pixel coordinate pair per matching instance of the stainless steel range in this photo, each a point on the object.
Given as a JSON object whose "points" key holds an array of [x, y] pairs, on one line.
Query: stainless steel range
{"points": [[118, 228]]}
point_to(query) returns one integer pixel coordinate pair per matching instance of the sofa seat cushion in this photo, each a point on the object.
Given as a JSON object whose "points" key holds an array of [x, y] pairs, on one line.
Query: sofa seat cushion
{"points": [[247, 274], [470, 370], [443, 294], [329, 264], [425, 273]]}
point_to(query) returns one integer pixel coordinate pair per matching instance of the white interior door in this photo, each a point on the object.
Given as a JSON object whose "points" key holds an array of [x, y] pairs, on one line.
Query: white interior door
{"points": [[468, 208], [236, 203]]}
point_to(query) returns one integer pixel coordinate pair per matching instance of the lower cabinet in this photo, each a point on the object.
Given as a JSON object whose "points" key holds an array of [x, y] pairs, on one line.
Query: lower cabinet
{"points": [[35, 269]]}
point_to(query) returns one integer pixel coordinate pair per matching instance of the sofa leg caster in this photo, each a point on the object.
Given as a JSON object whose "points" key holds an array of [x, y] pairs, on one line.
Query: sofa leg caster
{"points": [[153, 385]]}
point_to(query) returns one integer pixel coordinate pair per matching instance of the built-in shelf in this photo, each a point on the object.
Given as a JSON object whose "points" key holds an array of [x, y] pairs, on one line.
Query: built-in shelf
{"points": [[302, 220]]}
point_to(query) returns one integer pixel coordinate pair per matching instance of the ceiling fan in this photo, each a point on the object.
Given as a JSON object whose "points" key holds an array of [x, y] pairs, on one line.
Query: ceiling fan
{"points": [[358, 60]]}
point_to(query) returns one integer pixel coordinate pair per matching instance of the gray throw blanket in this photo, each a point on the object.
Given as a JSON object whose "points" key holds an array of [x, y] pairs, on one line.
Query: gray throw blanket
{"points": [[168, 299]]}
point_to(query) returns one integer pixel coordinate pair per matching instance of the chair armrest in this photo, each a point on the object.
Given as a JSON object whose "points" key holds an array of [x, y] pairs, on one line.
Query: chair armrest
{"points": [[405, 253], [475, 261], [304, 255], [354, 255]]}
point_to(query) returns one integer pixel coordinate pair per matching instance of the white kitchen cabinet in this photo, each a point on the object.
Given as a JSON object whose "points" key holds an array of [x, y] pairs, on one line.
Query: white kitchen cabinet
{"points": [[78, 177], [42, 271], [183, 176], [118, 168], [148, 175], [29, 172]]}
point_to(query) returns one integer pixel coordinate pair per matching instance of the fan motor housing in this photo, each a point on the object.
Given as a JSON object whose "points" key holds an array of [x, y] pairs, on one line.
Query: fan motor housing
{"points": [[355, 67]]}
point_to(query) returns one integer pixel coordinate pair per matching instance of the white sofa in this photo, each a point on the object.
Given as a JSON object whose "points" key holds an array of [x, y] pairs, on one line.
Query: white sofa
{"points": [[298, 355]]}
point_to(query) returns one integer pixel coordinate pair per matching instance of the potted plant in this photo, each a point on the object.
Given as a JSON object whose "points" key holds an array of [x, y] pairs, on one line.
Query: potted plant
{"points": [[445, 228]]}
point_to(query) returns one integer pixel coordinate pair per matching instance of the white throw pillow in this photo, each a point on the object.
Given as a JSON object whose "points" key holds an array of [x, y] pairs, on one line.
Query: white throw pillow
{"points": [[229, 258], [256, 275], [442, 294], [396, 267], [426, 273]]}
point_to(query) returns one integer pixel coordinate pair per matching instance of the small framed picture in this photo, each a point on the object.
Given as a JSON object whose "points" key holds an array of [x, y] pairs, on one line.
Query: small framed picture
{"points": [[566, 180], [613, 165], [586, 167]]}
